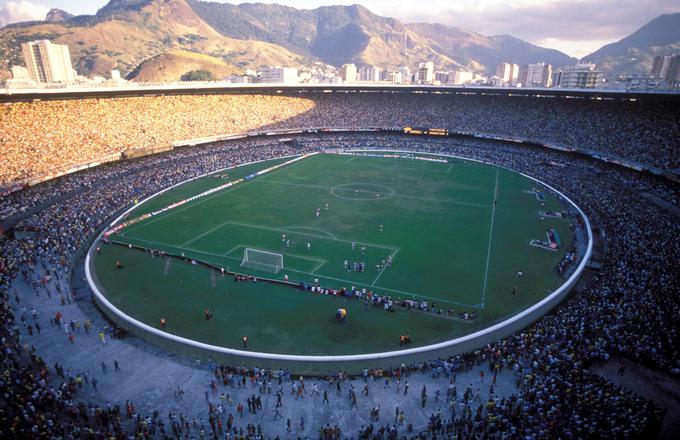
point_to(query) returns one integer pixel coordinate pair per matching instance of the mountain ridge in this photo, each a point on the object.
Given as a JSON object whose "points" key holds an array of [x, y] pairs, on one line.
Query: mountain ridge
{"points": [[634, 54], [125, 33], [324, 33]]}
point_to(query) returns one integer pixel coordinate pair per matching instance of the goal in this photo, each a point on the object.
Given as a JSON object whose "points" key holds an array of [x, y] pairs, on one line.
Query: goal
{"points": [[262, 260]]}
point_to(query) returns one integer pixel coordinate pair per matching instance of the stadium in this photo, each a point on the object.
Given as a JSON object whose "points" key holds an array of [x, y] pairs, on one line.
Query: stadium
{"points": [[207, 239]]}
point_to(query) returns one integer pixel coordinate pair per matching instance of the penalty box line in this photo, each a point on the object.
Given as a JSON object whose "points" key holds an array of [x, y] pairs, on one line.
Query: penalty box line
{"points": [[313, 274], [394, 254], [290, 231]]}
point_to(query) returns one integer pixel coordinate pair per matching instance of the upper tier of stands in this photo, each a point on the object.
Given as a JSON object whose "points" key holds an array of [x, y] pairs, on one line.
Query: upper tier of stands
{"points": [[39, 136]]}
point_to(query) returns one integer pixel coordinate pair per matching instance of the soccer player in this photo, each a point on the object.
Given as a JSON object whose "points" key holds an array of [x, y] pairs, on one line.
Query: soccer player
{"points": [[309, 246], [515, 289]]}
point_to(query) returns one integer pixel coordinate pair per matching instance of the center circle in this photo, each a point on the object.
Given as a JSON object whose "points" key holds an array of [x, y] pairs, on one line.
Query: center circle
{"points": [[362, 191]]}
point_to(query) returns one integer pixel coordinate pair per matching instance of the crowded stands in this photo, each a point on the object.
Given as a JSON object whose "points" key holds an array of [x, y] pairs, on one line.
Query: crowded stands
{"points": [[629, 309], [44, 136]]}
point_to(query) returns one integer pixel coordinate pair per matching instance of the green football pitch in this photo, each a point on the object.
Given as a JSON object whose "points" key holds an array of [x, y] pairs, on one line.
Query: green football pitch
{"points": [[448, 242]]}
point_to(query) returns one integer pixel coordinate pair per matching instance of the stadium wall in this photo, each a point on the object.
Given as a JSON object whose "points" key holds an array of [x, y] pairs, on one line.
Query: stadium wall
{"points": [[353, 364]]}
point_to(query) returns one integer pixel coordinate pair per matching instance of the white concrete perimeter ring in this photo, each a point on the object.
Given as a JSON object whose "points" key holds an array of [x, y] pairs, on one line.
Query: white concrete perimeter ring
{"points": [[464, 343]]}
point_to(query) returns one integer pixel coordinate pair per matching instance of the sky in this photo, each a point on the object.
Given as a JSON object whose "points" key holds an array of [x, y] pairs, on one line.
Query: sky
{"points": [[576, 27]]}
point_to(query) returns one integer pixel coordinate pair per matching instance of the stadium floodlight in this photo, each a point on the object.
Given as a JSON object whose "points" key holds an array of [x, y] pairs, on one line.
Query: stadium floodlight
{"points": [[262, 260]]}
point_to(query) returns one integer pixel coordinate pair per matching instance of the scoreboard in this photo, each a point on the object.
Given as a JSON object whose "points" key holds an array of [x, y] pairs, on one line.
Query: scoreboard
{"points": [[426, 131]]}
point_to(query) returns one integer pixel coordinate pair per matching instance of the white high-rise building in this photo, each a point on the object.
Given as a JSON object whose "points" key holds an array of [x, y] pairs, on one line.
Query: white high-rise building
{"points": [[47, 62], [460, 77], [660, 66], [580, 76], [426, 73], [441, 77], [394, 77], [405, 74], [535, 75], [279, 75], [369, 73], [349, 73], [507, 74], [667, 68]]}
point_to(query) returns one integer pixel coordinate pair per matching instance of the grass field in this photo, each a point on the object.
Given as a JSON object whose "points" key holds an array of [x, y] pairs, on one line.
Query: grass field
{"points": [[449, 242]]}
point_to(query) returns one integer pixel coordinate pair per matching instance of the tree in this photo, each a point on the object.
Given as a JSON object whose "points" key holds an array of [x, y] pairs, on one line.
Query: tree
{"points": [[197, 75]]}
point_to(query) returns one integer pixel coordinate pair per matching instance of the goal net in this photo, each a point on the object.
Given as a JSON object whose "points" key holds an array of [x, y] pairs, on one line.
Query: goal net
{"points": [[262, 260]]}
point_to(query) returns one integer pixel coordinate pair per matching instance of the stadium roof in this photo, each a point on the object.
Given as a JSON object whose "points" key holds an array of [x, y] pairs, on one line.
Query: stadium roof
{"points": [[132, 89]]}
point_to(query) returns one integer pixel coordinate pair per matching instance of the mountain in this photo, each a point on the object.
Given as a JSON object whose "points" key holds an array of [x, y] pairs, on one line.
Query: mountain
{"points": [[342, 34], [635, 53], [479, 52], [57, 16], [125, 33], [150, 39], [171, 65]]}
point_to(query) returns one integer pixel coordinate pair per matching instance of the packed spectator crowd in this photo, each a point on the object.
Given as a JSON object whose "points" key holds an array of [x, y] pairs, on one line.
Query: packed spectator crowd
{"points": [[40, 137], [629, 310]]}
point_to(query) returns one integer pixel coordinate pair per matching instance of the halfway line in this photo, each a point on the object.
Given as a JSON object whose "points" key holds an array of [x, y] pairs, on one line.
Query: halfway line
{"points": [[488, 252]]}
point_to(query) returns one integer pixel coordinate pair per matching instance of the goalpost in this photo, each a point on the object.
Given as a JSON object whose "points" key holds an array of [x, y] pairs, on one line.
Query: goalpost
{"points": [[262, 260]]}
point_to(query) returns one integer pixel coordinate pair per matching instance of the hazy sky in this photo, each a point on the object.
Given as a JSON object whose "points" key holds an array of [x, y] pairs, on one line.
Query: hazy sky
{"points": [[576, 27]]}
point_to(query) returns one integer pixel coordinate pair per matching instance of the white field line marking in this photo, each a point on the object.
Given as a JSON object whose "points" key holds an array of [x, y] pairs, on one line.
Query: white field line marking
{"points": [[349, 282], [488, 251], [394, 254], [309, 229], [316, 267], [232, 250], [226, 255], [449, 169], [270, 228], [402, 196], [198, 237], [175, 211], [205, 199], [304, 257]]}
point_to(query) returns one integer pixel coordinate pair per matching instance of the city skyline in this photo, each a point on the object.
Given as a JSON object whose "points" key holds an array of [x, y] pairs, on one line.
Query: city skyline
{"points": [[556, 24]]}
